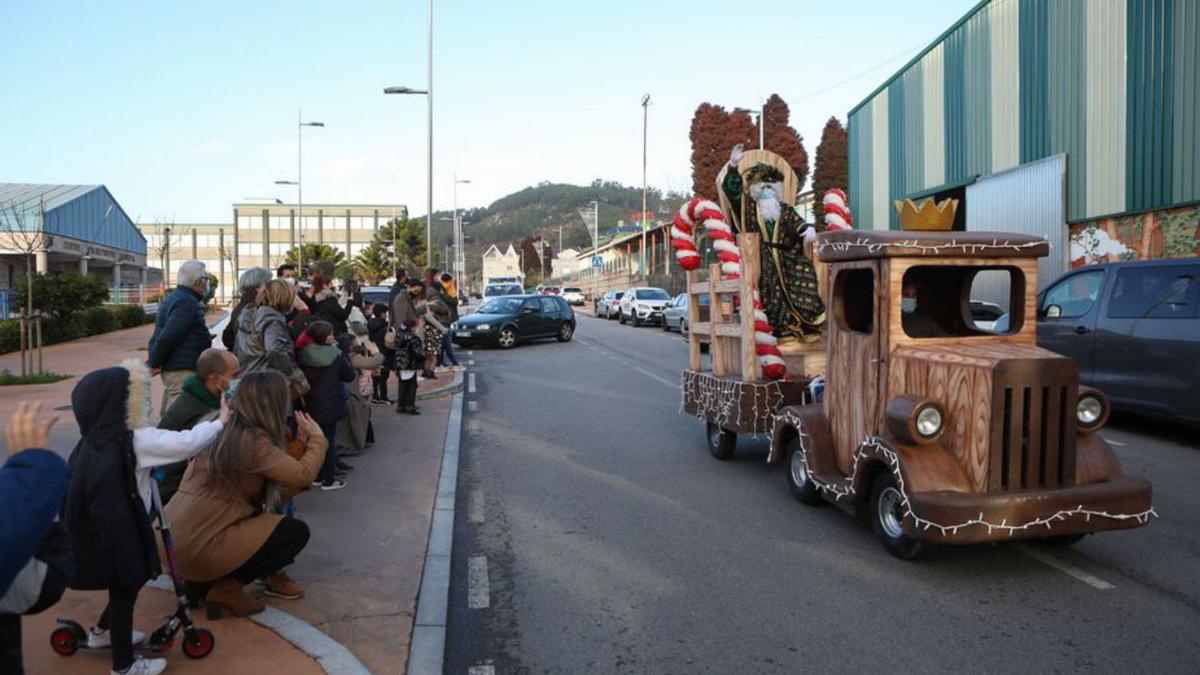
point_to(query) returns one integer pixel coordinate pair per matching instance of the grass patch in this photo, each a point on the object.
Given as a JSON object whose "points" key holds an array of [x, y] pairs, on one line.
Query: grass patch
{"points": [[8, 379], [143, 349]]}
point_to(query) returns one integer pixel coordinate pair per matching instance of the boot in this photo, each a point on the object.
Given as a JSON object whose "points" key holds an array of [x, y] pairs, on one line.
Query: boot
{"points": [[280, 585], [227, 597]]}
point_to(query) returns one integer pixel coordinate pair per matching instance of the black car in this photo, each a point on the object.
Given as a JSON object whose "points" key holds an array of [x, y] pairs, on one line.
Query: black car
{"points": [[510, 319], [1134, 330]]}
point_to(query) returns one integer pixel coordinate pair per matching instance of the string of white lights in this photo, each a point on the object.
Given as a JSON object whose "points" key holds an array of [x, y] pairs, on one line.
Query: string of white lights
{"points": [[720, 401], [873, 448], [915, 244]]}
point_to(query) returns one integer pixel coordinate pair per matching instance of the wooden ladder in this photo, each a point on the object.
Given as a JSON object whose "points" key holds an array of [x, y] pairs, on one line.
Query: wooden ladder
{"points": [[730, 330]]}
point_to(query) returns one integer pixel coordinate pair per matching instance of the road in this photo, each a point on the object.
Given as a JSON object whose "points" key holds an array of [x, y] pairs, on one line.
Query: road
{"points": [[595, 534]]}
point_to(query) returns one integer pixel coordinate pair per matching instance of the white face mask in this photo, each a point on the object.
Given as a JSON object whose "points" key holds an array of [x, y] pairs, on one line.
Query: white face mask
{"points": [[290, 280], [908, 305]]}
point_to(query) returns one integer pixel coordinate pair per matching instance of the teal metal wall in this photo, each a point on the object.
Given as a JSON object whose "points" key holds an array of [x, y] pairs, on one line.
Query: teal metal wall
{"points": [[1112, 84]]}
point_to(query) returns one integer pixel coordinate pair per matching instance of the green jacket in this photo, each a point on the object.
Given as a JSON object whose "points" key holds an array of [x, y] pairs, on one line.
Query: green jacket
{"points": [[192, 405]]}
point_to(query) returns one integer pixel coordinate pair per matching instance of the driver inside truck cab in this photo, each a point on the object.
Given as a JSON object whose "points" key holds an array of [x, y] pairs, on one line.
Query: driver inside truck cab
{"points": [[917, 321]]}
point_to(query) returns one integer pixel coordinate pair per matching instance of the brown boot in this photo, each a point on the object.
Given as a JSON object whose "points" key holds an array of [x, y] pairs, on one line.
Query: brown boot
{"points": [[227, 597], [280, 585]]}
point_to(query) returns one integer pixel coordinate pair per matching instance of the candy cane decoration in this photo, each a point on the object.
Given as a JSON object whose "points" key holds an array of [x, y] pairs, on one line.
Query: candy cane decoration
{"points": [[837, 213], [723, 242]]}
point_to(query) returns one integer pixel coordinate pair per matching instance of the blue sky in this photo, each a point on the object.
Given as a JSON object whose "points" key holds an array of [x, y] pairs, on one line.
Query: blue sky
{"points": [[183, 108]]}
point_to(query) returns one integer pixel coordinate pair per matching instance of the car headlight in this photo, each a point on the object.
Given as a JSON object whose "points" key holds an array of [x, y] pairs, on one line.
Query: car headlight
{"points": [[1091, 409], [915, 420]]}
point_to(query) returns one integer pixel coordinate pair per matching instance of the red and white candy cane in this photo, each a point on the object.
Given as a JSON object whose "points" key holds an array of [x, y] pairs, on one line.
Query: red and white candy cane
{"points": [[837, 210], [707, 213]]}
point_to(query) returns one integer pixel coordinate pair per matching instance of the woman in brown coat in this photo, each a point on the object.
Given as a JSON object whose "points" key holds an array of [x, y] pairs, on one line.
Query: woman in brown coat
{"points": [[226, 531]]}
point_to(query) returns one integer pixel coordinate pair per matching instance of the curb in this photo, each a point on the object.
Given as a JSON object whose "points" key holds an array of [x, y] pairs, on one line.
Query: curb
{"points": [[330, 654], [427, 648], [453, 386]]}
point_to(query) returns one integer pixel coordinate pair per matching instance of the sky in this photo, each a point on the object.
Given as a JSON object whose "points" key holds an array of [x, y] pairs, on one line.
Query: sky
{"points": [[182, 108]]}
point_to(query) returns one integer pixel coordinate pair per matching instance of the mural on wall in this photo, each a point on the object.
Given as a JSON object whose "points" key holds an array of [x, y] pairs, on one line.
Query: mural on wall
{"points": [[1174, 233]]}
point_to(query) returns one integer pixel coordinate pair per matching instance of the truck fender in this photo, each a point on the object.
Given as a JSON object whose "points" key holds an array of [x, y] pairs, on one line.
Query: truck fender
{"points": [[808, 422], [1095, 461]]}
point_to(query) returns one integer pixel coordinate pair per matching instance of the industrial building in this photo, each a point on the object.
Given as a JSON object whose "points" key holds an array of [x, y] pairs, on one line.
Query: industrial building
{"points": [[1077, 120]]}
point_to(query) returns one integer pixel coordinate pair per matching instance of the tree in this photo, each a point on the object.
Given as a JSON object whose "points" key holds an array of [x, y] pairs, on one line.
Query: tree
{"points": [[708, 138], [831, 168], [409, 235], [167, 238], [322, 259], [782, 139], [21, 230], [374, 263], [62, 295]]}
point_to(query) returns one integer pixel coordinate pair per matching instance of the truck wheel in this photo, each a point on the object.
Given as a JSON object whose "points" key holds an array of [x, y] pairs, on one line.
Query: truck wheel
{"points": [[721, 443], [887, 517], [798, 479]]}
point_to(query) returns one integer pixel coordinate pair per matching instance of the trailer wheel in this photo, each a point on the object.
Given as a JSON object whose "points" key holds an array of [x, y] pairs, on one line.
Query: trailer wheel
{"points": [[1064, 540], [887, 518], [798, 478], [721, 442]]}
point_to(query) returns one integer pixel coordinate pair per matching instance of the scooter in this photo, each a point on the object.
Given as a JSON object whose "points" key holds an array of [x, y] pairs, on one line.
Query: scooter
{"points": [[198, 642]]}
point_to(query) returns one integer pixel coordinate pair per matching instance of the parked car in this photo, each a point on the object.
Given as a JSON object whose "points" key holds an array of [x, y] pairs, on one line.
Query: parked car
{"points": [[642, 305], [573, 296], [376, 294], [675, 316], [985, 315], [606, 306], [496, 290], [1134, 330], [508, 320], [550, 290]]}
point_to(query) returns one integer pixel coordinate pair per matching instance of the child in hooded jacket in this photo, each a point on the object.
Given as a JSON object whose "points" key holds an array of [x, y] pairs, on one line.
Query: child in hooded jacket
{"points": [[328, 370]]}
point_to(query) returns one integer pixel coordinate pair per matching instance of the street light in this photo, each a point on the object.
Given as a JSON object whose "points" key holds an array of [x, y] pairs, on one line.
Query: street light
{"points": [[300, 124], [761, 127], [427, 92], [460, 260], [645, 120]]}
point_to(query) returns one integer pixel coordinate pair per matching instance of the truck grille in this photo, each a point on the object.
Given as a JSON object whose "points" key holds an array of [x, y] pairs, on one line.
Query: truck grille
{"points": [[1033, 442]]}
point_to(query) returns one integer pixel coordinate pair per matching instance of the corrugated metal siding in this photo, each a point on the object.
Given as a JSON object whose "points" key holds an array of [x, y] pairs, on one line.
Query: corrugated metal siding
{"points": [[1105, 181], [861, 185], [1113, 84], [1186, 115], [1029, 199]]}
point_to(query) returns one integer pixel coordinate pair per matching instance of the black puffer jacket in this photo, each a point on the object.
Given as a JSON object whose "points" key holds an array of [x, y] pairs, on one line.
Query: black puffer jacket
{"points": [[105, 517]]}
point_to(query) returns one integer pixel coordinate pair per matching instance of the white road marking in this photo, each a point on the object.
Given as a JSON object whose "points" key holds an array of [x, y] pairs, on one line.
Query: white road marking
{"points": [[1045, 558], [482, 669], [472, 406], [475, 509], [471, 383], [470, 353], [470, 362], [1112, 442], [655, 377], [478, 593]]}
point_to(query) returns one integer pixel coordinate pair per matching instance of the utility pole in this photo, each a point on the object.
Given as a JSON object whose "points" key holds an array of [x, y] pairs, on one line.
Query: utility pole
{"points": [[645, 120]]}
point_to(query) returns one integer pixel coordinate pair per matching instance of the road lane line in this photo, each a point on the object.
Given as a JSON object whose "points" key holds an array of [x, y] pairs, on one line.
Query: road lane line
{"points": [[470, 362], [471, 383], [478, 593], [652, 376], [470, 353], [475, 512], [1047, 559], [1112, 442], [482, 669]]}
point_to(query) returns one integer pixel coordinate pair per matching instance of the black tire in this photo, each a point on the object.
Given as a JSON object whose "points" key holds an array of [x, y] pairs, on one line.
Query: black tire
{"points": [[1064, 540], [637, 323], [666, 326], [887, 518], [507, 339], [798, 479], [621, 316], [721, 442], [565, 332], [683, 328]]}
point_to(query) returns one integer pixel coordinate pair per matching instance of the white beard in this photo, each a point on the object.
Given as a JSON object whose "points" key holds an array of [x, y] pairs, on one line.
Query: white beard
{"points": [[770, 209]]}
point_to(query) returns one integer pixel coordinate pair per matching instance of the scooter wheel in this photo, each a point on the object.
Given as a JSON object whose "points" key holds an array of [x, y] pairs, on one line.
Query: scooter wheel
{"points": [[198, 643], [63, 641]]}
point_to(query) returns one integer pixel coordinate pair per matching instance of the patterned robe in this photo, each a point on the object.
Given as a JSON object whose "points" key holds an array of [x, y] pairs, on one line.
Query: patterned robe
{"points": [[788, 282]]}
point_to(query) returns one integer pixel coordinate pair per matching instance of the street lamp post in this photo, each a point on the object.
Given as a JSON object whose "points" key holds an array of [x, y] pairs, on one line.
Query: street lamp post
{"points": [[762, 127], [300, 124], [460, 260], [645, 119]]}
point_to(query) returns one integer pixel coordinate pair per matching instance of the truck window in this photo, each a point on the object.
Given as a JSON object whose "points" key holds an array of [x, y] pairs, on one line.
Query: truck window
{"points": [[1072, 298], [961, 301], [855, 293], [1158, 292]]}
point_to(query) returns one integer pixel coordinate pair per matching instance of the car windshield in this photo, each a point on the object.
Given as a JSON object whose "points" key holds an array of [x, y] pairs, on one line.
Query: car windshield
{"points": [[618, 295], [501, 306], [651, 294]]}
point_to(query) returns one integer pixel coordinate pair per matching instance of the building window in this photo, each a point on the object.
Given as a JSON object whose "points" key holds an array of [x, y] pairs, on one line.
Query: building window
{"points": [[251, 248], [250, 222]]}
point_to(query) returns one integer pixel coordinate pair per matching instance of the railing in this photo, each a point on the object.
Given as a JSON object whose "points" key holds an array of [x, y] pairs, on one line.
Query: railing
{"points": [[5, 297]]}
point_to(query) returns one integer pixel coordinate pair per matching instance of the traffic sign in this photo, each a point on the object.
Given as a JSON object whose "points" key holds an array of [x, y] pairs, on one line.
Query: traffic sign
{"points": [[597, 261]]}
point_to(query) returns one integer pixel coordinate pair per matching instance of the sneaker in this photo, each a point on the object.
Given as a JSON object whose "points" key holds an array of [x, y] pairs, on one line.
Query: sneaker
{"points": [[99, 639], [317, 483], [458, 368], [280, 585], [143, 666], [343, 468], [335, 484]]}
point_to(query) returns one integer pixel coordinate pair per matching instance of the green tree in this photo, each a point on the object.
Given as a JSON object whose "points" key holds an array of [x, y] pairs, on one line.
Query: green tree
{"points": [[63, 295], [831, 168], [374, 263], [322, 259], [409, 236]]}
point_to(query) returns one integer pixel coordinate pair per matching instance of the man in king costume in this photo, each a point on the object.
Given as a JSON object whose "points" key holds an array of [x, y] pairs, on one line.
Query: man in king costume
{"points": [[788, 282]]}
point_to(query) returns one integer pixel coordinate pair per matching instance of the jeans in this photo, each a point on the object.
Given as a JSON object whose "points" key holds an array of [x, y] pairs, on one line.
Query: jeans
{"points": [[331, 455], [280, 549], [381, 384], [446, 353], [406, 397], [117, 619]]}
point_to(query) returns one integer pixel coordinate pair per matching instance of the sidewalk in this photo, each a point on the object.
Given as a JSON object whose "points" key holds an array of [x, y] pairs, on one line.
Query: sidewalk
{"points": [[362, 568]]}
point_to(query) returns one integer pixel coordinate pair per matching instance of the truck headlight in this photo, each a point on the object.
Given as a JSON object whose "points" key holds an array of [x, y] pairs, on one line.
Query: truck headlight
{"points": [[1091, 409], [915, 420], [929, 421]]}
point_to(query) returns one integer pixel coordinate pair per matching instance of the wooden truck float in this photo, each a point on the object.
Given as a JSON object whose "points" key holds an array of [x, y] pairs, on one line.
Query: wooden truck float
{"points": [[941, 429]]}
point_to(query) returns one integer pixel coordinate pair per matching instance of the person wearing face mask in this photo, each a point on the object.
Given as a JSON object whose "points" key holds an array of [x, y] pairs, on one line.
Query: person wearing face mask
{"points": [[180, 331], [200, 400], [917, 322]]}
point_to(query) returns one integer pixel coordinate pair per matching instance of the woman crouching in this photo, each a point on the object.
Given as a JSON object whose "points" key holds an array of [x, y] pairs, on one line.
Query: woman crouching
{"points": [[227, 531]]}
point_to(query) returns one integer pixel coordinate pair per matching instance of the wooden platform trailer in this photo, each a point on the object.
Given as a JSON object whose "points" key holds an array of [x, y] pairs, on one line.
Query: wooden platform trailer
{"points": [[943, 431]]}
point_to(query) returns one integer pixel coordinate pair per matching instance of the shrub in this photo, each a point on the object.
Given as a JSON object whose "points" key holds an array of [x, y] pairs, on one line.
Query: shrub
{"points": [[129, 316], [10, 335], [62, 330], [97, 320], [61, 295]]}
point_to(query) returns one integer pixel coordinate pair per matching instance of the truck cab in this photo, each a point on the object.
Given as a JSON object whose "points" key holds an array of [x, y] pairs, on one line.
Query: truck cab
{"points": [[943, 426]]}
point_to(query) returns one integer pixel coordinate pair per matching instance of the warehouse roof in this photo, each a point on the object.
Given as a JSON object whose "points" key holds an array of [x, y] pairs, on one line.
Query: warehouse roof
{"points": [[86, 213]]}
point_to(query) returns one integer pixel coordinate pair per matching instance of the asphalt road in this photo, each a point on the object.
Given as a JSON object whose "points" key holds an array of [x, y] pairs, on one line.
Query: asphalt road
{"points": [[595, 534]]}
